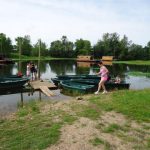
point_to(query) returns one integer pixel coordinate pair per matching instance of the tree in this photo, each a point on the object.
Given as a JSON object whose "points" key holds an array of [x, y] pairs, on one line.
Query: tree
{"points": [[62, 48], [135, 52], [6, 46], [43, 48], [24, 43], [124, 46], [82, 47]]}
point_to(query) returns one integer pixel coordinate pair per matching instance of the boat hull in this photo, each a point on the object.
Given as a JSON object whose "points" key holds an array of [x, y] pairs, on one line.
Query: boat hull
{"points": [[11, 83], [108, 84], [75, 87]]}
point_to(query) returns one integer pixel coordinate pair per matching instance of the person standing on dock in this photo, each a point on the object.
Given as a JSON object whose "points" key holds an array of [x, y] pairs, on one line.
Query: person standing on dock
{"points": [[28, 70], [104, 77], [33, 71]]}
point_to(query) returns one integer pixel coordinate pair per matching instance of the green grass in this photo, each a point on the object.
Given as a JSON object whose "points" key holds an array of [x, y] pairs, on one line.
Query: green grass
{"points": [[134, 104], [33, 129], [35, 133], [15, 56], [91, 112], [147, 74], [98, 141], [133, 62], [112, 128]]}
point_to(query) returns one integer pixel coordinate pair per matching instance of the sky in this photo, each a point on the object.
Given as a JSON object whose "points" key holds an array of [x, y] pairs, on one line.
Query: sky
{"points": [[49, 20]]}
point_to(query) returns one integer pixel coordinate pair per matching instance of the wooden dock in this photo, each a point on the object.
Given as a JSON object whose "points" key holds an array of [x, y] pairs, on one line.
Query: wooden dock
{"points": [[44, 86]]}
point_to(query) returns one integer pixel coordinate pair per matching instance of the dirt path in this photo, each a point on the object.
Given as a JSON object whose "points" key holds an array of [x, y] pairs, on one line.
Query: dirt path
{"points": [[111, 131]]}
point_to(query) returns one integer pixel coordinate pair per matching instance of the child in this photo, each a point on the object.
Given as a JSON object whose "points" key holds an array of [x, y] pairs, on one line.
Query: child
{"points": [[117, 79], [28, 70]]}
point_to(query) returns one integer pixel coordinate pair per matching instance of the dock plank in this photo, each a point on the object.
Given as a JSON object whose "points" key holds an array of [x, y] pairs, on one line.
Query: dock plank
{"points": [[38, 83], [46, 91], [44, 86]]}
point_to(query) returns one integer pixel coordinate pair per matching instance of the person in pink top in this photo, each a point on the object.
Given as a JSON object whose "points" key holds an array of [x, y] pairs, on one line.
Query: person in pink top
{"points": [[104, 77]]}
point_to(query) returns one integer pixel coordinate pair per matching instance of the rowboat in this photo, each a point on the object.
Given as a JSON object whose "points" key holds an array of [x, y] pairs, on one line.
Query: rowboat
{"points": [[72, 86], [11, 76], [60, 78], [83, 76], [109, 84], [11, 83]]}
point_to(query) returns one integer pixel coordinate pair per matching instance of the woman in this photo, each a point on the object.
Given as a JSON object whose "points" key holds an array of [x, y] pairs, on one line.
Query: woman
{"points": [[104, 77], [33, 71], [28, 70]]}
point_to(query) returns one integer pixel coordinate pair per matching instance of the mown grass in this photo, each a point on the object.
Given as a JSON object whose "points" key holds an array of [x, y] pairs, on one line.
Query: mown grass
{"points": [[15, 56], [146, 74], [33, 129], [112, 128], [134, 104], [98, 141], [133, 62]]}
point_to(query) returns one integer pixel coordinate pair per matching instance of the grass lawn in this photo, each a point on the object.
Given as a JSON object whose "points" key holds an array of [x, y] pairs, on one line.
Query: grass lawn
{"points": [[133, 62], [137, 73], [38, 124]]}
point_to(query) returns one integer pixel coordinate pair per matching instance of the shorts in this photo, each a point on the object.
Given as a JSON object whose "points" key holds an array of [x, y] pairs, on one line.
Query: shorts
{"points": [[104, 78]]}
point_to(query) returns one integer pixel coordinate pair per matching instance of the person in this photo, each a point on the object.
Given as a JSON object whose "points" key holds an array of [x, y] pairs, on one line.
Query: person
{"points": [[33, 71], [104, 77], [28, 70], [117, 79]]}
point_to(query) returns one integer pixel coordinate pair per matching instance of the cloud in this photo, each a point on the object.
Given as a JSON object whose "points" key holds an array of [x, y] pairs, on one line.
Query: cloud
{"points": [[50, 19]]}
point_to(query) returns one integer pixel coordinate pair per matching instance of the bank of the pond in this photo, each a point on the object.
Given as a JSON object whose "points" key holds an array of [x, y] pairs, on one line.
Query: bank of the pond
{"points": [[16, 57], [134, 62], [117, 120], [137, 73]]}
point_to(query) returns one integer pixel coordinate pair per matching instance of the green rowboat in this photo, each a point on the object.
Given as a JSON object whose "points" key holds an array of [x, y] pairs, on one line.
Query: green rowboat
{"points": [[72, 86], [11, 83]]}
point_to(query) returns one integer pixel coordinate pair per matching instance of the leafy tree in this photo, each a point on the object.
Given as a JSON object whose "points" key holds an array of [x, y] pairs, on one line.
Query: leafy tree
{"points": [[82, 47], [43, 49], [124, 46], [135, 52], [112, 45], [5, 45], [62, 48], [25, 44]]}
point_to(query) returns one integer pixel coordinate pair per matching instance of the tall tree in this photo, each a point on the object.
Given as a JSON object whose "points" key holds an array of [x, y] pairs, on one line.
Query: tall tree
{"points": [[135, 52], [25, 44], [82, 47], [6, 46], [124, 46], [43, 48], [62, 48]]}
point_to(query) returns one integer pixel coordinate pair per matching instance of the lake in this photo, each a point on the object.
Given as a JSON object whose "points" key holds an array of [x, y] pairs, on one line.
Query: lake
{"points": [[49, 69]]}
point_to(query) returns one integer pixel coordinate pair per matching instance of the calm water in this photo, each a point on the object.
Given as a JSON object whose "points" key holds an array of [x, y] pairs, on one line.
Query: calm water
{"points": [[49, 69]]}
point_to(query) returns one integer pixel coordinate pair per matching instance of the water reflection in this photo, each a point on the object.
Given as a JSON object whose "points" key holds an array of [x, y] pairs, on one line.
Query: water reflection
{"points": [[50, 69]]}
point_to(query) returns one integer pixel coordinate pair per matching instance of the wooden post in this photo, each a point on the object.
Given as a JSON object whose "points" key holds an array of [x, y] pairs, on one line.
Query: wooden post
{"points": [[1, 45], [40, 97], [20, 51], [39, 58], [21, 99]]}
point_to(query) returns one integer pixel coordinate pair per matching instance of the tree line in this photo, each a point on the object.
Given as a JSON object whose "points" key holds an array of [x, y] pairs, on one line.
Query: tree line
{"points": [[109, 45]]}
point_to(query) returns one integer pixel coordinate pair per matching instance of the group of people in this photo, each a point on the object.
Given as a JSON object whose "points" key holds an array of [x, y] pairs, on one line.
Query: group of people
{"points": [[31, 70], [104, 73]]}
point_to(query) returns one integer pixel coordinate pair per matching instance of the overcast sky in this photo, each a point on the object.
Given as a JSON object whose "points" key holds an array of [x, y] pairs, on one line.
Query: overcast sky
{"points": [[86, 19]]}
